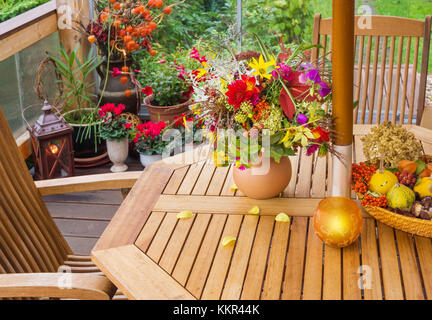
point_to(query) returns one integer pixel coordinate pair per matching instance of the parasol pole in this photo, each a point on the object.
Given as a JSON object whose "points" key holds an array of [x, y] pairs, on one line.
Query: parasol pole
{"points": [[343, 82]]}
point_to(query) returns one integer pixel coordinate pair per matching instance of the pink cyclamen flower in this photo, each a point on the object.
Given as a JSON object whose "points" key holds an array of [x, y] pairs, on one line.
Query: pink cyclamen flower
{"points": [[147, 91], [136, 71], [127, 125], [162, 61], [116, 72]]}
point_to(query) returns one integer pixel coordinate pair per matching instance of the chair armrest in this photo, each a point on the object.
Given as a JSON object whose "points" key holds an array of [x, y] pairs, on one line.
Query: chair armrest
{"points": [[56, 285], [88, 183]]}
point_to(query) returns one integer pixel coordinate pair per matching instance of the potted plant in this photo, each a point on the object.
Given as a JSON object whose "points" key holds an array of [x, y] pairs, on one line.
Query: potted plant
{"points": [[78, 100], [120, 29], [115, 130], [273, 107], [148, 141], [168, 89]]}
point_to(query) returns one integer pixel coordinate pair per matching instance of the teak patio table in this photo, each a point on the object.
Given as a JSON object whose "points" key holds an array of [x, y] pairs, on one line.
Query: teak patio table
{"points": [[150, 254]]}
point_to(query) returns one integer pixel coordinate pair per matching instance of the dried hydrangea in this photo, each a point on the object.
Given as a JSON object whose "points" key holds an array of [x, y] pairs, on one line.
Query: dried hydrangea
{"points": [[274, 121], [391, 142]]}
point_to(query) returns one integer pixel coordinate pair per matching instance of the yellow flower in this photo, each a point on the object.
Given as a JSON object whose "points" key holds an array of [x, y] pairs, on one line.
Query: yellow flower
{"points": [[261, 67]]}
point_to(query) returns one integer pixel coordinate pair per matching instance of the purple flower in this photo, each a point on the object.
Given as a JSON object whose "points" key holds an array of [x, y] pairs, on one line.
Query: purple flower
{"points": [[242, 167], [275, 74], [324, 89], [313, 75], [305, 66], [302, 119], [312, 149]]}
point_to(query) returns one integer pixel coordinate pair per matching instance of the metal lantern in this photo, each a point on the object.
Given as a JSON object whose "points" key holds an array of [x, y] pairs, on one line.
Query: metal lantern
{"points": [[51, 139]]}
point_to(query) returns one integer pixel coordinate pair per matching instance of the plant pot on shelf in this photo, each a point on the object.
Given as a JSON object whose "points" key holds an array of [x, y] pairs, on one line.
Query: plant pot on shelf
{"points": [[118, 153], [89, 149], [165, 113], [115, 90], [147, 159], [267, 185]]}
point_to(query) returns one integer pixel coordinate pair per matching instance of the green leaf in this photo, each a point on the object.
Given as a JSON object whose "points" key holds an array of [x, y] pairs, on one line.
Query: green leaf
{"points": [[420, 166]]}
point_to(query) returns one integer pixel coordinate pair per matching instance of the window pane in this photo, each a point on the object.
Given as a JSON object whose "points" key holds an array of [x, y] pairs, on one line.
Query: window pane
{"points": [[18, 79]]}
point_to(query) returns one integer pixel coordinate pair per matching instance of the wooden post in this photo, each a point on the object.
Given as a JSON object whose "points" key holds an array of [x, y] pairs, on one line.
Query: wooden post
{"points": [[343, 80]]}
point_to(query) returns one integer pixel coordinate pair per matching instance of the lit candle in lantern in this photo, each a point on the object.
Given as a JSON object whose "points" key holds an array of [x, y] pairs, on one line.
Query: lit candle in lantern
{"points": [[53, 148]]}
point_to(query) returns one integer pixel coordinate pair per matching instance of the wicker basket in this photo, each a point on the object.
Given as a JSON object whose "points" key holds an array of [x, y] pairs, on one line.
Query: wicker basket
{"points": [[415, 226]]}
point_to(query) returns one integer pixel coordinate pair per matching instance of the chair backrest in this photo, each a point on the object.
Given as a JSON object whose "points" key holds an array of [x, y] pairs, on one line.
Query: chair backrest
{"points": [[387, 85], [29, 238]]}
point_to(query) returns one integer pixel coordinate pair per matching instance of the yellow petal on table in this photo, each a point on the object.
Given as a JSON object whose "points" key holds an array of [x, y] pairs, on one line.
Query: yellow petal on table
{"points": [[185, 214], [282, 217], [254, 210], [233, 188], [228, 240]]}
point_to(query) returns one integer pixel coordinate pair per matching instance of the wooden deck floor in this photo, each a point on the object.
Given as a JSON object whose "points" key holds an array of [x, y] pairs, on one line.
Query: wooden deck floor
{"points": [[83, 216]]}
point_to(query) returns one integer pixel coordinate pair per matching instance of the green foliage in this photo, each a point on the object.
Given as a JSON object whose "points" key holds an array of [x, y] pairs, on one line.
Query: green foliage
{"points": [[12, 8], [191, 20], [114, 129], [281, 17], [168, 87], [74, 72]]}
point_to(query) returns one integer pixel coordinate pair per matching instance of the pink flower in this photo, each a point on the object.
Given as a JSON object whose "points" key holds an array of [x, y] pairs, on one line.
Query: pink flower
{"points": [[119, 109], [136, 139], [116, 72], [161, 61], [136, 71], [127, 125]]}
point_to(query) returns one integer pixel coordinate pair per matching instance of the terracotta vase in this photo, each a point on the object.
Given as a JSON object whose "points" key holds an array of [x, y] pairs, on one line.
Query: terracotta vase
{"points": [[260, 186], [165, 113], [118, 153]]}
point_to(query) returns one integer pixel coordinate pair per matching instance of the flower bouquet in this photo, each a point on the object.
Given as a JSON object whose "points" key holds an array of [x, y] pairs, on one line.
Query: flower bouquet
{"points": [[273, 105]]}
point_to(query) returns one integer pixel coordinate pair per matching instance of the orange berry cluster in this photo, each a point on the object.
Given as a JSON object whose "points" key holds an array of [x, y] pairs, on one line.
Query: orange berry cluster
{"points": [[132, 24], [370, 200], [361, 175]]}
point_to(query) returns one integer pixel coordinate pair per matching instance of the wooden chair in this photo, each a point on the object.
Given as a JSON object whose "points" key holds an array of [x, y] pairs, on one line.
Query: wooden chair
{"points": [[32, 249], [387, 86]]}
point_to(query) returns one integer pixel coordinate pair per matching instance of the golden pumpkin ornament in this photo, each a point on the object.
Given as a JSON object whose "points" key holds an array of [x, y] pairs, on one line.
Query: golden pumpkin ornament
{"points": [[382, 180], [337, 221]]}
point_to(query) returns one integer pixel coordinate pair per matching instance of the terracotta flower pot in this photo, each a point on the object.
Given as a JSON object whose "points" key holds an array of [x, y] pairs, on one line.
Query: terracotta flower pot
{"points": [[165, 113], [264, 186]]}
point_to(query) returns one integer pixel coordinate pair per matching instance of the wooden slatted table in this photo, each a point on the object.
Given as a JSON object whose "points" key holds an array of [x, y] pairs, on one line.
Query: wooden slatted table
{"points": [[150, 254]]}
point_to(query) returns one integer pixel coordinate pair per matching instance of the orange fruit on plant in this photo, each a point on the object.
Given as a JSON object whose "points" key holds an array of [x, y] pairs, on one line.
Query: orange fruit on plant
{"points": [[152, 25], [153, 52], [158, 3], [122, 33], [128, 93], [125, 69], [127, 38], [130, 45], [167, 10], [116, 5], [91, 38], [129, 29], [103, 17], [123, 79], [151, 3]]}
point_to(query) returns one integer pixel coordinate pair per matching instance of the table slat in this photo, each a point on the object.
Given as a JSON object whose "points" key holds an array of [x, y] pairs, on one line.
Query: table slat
{"points": [[410, 273], [295, 260], [191, 178], [190, 249], [258, 260], [389, 263], [372, 288], [240, 260], [276, 264], [162, 236], [175, 181], [221, 262], [351, 264], [175, 244], [424, 251], [217, 182], [312, 283], [149, 230], [204, 179], [332, 274], [205, 256]]}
